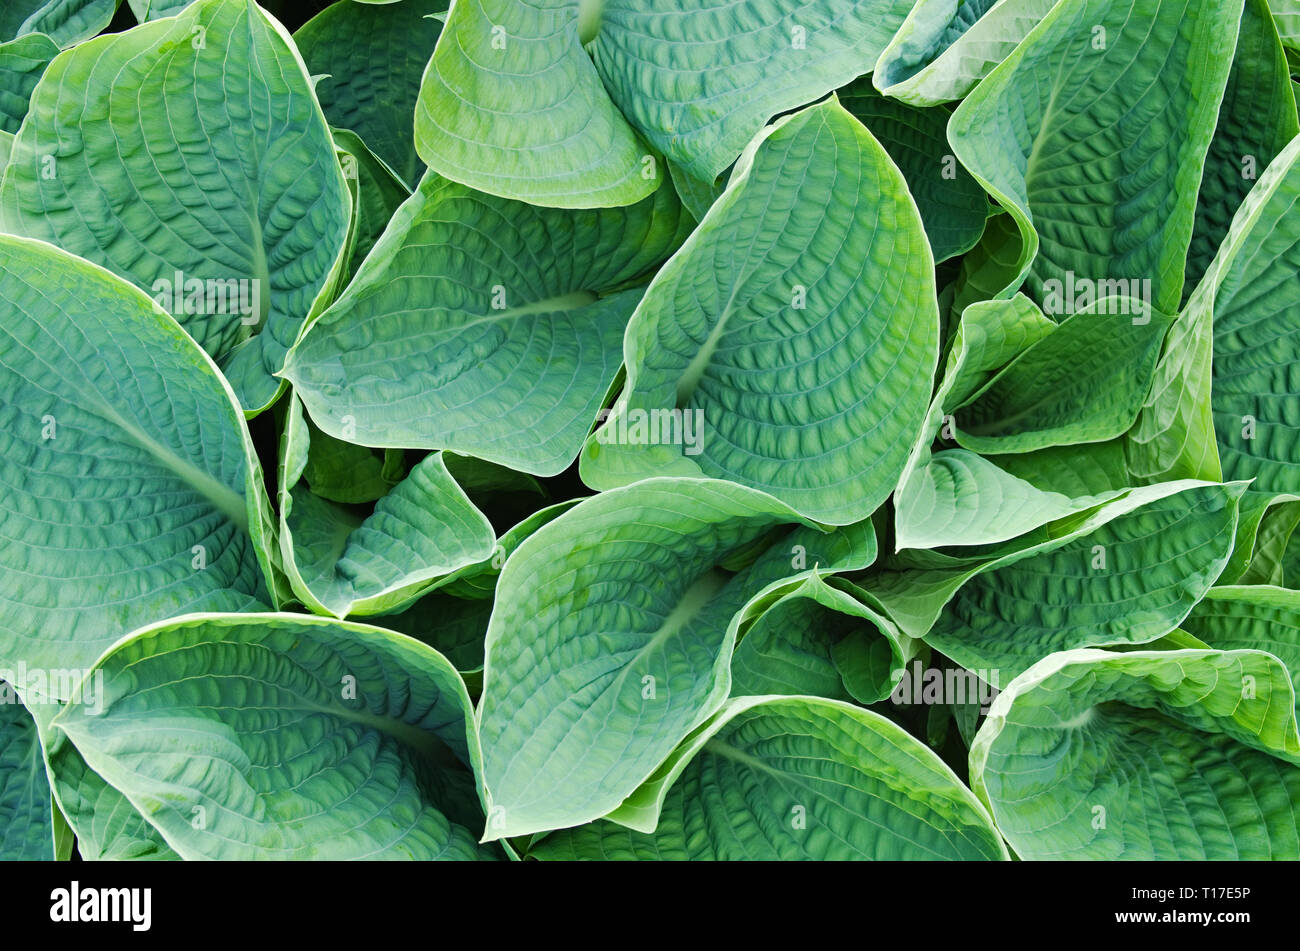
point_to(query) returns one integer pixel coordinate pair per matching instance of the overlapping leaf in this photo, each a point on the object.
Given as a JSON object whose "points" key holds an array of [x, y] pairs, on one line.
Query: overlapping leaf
{"points": [[132, 492], [22, 61], [1185, 754], [794, 334], [1093, 135], [554, 102], [370, 60], [284, 736], [232, 213], [25, 803], [609, 642], [945, 47], [476, 318], [796, 778], [343, 560]]}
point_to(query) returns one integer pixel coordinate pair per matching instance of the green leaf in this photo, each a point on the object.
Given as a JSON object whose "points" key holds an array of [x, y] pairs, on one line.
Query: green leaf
{"points": [[796, 778], [1256, 121], [698, 196], [1164, 755], [610, 641], [131, 484], [146, 10], [453, 618], [1251, 617], [1131, 581], [1220, 404], [371, 59], [342, 471], [343, 560], [379, 194], [514, 105], [956, 497], [915, 588], [286, 736], [105, 824], [66, 22], [1083, 383], [990, 267], [1101, 176], [952, 204], [511, 105], [22, 61], [810, 636], [945, 47], [1248, 298], [660, 63], [1173, 436], [475, 318], [237, 191], [1264, 527], [25, 804], [790, 344], [1286, 17]]}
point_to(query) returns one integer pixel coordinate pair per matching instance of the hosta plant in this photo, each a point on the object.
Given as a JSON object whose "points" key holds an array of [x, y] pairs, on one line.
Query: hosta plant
{"points": [[636, 429]]}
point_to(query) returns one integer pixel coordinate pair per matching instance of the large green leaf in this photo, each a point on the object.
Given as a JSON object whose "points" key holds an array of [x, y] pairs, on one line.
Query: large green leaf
{"points": [[67, 22], [22, 61], [1256, 121], [1248, 298], [344, 560], [131, 485], [1085, 382], [371, 59], [475, 319], [915, 589], [1176, 755], [1130, 581], [25, 805], [796, 778], [277, 736], [511, 105], [514, 105], [945, 47], [609, 643], [1101, 173], [700, 79], [231, 210], [952, 204], [795, 333]]}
